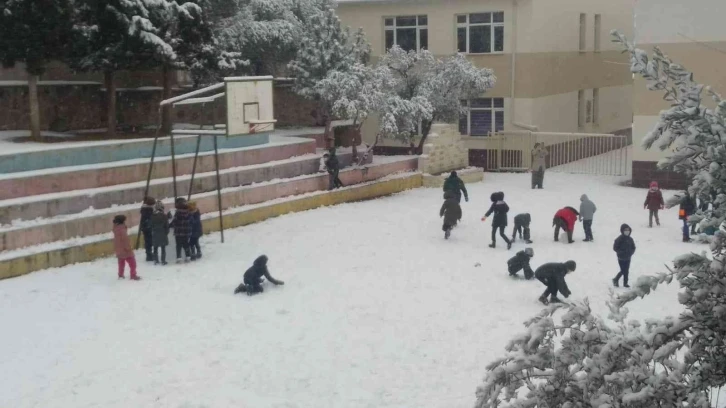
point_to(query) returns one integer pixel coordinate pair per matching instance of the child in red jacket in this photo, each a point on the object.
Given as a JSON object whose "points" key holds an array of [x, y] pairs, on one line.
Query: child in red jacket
{"points": [[565, 218], [122, 247], [654, 202]]}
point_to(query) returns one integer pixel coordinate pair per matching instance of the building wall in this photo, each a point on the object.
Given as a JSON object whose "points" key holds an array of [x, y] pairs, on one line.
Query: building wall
{"points": [[549, 68], [691, 34]]}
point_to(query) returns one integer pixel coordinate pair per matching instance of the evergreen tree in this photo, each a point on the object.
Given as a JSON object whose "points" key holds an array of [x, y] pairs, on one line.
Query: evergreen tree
{"points": [[324, 48], [444, 83], [671, 362], [34, 32]]}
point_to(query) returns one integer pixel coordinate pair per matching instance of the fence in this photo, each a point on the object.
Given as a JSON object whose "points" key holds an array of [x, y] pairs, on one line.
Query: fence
{"points": [[586, 153]]}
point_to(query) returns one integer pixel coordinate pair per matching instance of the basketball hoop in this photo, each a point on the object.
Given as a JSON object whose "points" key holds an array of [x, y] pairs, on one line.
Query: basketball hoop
{"points": [[257, 125]]}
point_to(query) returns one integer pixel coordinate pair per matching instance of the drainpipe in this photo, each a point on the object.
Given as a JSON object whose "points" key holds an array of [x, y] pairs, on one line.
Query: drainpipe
{"points": [[513, 74]]}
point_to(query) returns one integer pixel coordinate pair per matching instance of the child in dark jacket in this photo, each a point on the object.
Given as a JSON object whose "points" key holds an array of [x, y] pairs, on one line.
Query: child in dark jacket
{"points": [[182, 229], [521, 223], [686, 209], [147, 209], [553, 275], [195, 220], [654, 202], [159, 232], [451, 211], [521, 262], [500, 210], [252, 282], [624, 247]]}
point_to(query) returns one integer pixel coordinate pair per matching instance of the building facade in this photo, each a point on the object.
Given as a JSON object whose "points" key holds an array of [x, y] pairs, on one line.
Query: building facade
{"points": [[556, 68], [691, 34]]}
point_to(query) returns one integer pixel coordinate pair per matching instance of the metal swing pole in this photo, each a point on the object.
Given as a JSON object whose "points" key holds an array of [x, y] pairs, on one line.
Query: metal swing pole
{"points": [[173, 164], [148, 175], [219, 188], [196, 154]]}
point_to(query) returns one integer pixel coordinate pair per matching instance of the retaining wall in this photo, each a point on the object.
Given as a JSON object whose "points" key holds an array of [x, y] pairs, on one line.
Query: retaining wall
{"points": [[103, 248], [56, 182]]}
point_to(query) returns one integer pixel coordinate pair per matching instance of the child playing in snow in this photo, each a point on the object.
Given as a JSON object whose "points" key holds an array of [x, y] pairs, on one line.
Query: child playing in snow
{"points": [[159, 232], [195, 220], [122, 246], [565, 218], [451, 211], [182, 229], [685, 210], [147, 209], [521, 262], [254, 277], [521, 222], [323, 160], [624, 247], [654, 202], [553, 275], [587, 213], [500, 210]]}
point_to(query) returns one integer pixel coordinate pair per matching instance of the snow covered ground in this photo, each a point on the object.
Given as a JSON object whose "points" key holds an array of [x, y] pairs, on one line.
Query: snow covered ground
{"points": [[378, 309]]}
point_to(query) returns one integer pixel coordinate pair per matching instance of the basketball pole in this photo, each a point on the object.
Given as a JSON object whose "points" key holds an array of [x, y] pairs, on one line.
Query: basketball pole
{"points": [[148, 175], [196, 154]]}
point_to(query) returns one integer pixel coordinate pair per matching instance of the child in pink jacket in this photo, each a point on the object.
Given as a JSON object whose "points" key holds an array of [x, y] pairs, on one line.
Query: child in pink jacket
{"points": [[122, 245]]}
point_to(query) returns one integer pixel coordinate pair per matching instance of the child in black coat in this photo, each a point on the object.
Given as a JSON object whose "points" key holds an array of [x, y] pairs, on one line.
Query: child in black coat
{"points": [[253, 277], [521, 224], [451, 211], [624, 247], [553, 275], [500, 210], [521, 261]]}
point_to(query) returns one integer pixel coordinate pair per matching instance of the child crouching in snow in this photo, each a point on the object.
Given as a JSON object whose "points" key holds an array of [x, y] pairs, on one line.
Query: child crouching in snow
{"points": [[451, 211], [122, 246], [253, 278], [521, 224], [521, 262], [553, 275]]}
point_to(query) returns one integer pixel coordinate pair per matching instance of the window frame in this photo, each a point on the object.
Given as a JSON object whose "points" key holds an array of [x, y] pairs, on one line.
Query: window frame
{"points": [[595, 106], [582, 47], [494, 110], [581, 108], [492, 37], [597, 27], [393, 28]]}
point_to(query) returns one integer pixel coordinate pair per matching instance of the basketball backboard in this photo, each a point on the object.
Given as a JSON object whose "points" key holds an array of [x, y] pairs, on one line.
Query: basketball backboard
{"points": [[249, 105]]}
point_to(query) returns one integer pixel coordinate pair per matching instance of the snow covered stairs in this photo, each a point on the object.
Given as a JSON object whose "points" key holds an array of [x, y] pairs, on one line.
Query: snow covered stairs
{"points": [[67, 224]]}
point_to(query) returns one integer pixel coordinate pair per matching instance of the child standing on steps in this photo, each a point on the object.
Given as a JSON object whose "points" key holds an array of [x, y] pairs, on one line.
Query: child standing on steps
{"points": [[122, 247], [500, 210], [624, 247], [195, 220], [654, 202], [159, 232]]}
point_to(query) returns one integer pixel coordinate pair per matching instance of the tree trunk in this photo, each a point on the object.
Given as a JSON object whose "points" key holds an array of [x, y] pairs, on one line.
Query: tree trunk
{"points": [[166, 110], [425, 129], [34, 107], [110, 104]]}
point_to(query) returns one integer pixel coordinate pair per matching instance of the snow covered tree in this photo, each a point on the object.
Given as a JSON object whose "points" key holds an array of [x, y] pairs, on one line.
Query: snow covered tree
{"points": [[671, 362], [34, 32], [326, 47], [444, 83]]}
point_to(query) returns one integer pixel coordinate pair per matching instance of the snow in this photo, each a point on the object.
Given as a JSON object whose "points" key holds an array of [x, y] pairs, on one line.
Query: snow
{"points": [[378, 309]]}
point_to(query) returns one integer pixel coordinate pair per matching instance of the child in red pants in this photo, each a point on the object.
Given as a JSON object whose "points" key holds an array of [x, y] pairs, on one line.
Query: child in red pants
{"points": [[122, 245]]}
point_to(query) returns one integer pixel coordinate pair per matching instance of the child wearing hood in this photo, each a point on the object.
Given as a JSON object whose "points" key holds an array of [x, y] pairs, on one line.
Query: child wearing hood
{"points": [[565, 218], [654, 202], [253, 277], [451, 211], [195, 221], [521, 224], [159, 232], [624, 247], [500, 210], [587, 213], [122, 247], [519, 262], [147, 209]]}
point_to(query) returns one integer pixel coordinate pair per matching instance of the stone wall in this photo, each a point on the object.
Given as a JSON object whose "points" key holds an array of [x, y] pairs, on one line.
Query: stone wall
{"points": [[444, 150], [68, 106]]}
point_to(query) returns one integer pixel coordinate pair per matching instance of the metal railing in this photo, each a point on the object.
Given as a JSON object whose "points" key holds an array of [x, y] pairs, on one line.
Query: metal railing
{"points": [[584, 153]]}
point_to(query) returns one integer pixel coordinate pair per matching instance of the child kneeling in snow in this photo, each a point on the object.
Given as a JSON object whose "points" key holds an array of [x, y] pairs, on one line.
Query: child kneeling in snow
{"points": [[253, 278], [521, 262], [122, 246]]}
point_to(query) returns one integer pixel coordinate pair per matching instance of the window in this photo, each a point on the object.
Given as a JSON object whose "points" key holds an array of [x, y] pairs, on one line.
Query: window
{"points": [[595, 105], [580, 108], [408, 32], [480, 33], [597, 33], [583, 33], [484, 115]]}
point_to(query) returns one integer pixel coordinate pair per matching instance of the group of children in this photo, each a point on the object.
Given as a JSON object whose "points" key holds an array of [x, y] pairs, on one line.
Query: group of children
{"points": [[155, 224]]}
